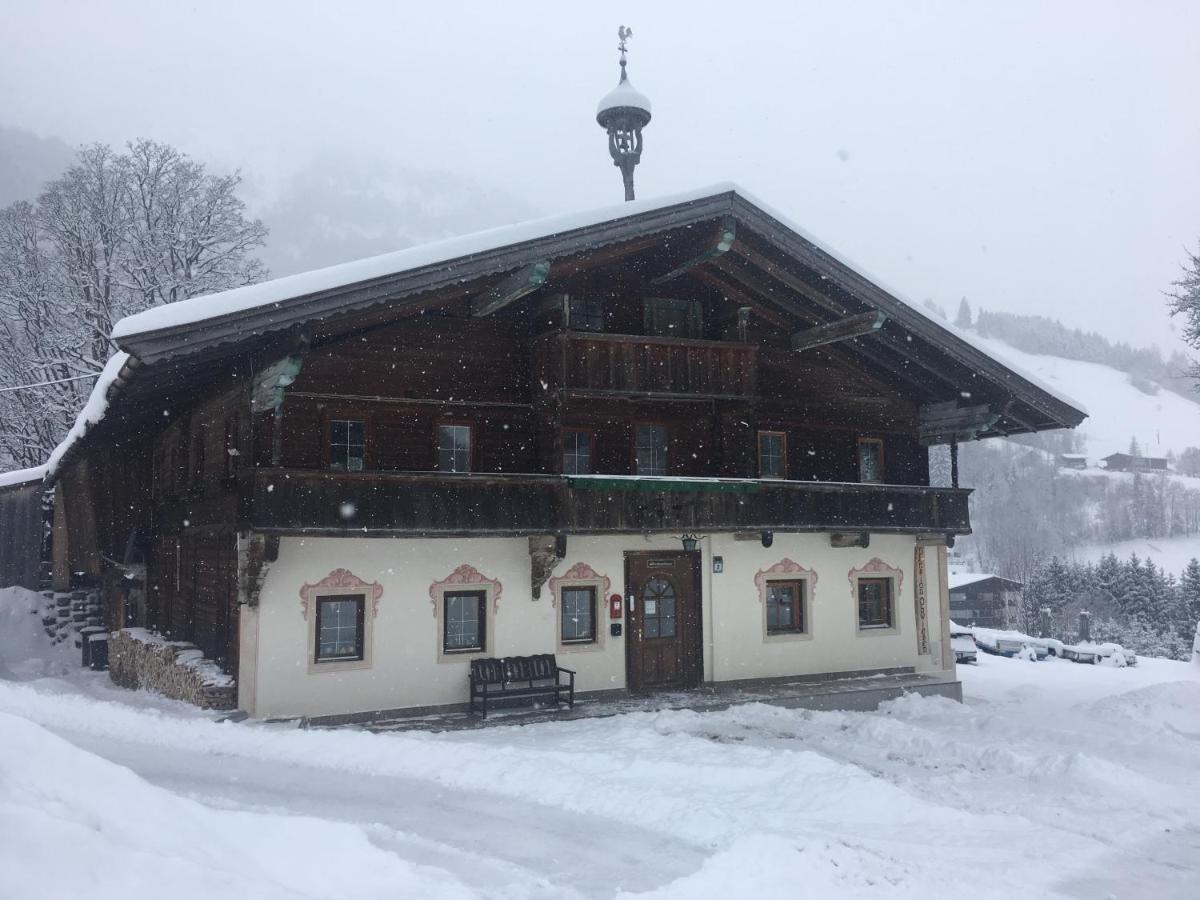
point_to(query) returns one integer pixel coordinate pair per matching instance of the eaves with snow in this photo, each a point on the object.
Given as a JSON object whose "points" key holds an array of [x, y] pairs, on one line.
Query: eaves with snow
{"points": [[166, 351]]}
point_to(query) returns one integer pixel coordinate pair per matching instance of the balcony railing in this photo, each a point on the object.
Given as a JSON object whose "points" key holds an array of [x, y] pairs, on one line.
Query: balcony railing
{"points": [[646, 366], [378, 503]]}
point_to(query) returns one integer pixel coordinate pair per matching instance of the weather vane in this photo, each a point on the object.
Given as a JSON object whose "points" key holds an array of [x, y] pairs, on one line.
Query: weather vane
{"points": [[623, 113], [623, 34]]}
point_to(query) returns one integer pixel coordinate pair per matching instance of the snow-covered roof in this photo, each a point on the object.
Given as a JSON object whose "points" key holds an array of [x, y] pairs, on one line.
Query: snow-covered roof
{"points": [[280, 290], [957, 580], [1073, 455], [93, 411], [22, 476], [624, 96]]}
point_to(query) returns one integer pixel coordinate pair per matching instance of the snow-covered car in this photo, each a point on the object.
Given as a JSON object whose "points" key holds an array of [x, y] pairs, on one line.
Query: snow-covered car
{"points": [[1092, 653], [1008, 643], [962, 642]]}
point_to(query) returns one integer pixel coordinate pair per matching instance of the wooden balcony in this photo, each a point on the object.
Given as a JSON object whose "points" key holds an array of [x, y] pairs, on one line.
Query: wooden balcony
{"points": [[638, 366], [294, 501]]}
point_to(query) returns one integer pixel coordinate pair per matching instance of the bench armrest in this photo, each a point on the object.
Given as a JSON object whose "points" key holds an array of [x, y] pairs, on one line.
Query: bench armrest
{"points": [[564, 669]]}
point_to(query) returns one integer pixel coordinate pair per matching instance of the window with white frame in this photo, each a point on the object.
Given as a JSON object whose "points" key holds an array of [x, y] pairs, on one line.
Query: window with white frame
{"points": [[577, 452], [464, 621], [875, 603], [785, 607], [454, 448], [651, 454], [577, 621], [339, 631], [347, 444]]}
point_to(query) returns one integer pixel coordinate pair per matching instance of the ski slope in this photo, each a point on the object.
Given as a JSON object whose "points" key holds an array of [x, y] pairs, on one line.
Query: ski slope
{"points": [[1118, 410]]}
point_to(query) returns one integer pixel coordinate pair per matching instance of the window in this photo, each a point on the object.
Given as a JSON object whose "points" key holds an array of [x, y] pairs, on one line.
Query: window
{"points": [[870, 460], [585, 314], [577, 452], [463, 622], [658, 608], [454, 448], [785, 607], [674, 318], [651, 450], [772, 454], [578, 624], [347, 444], [874, 603], [340, 628]]}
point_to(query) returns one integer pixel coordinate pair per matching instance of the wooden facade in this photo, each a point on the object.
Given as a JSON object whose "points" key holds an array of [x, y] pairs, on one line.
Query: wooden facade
{"points": [[22, 533], [625, 331]]}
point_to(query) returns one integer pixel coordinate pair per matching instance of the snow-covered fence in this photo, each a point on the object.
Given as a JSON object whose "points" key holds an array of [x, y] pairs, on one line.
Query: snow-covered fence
{"points": [[139, 659]]}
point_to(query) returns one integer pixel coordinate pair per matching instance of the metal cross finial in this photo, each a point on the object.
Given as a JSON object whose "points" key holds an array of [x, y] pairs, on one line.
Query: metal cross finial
{"points": [[623, 34]]}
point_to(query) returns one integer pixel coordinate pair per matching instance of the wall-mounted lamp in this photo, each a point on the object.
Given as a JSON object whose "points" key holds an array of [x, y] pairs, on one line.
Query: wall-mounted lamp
{"points": [[768, 538], [689, 542]]}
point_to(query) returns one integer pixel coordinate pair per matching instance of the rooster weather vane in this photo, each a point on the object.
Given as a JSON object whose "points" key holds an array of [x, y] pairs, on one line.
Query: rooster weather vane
{"points": [[623, 113]]}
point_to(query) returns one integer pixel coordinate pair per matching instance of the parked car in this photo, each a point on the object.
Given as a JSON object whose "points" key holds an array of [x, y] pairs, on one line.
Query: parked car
{"points": [[962, 642], [1092, 654]]}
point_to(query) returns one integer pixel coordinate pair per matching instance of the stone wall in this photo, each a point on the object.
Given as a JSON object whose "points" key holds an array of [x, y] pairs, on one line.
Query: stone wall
{"points": [[139, 659]]}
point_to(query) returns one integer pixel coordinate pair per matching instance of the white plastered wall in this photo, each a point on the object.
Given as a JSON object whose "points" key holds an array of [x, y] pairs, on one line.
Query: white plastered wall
{"points": [[405, 669]]}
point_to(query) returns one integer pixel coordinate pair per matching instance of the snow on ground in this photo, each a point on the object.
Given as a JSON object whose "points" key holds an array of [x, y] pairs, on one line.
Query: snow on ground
{"points": [[1170, 554], [1052, 780], [1118, 410]]}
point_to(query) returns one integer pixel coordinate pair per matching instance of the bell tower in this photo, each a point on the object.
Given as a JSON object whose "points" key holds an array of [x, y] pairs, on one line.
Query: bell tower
{"points": [[623, 113]]}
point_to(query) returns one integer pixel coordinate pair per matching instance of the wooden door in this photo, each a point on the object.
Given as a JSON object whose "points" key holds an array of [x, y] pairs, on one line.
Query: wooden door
{"points": [[663, 641]]}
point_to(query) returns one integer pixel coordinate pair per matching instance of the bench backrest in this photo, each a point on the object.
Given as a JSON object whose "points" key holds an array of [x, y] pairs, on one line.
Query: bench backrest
{"points": [[542, 667], [490, 671]]}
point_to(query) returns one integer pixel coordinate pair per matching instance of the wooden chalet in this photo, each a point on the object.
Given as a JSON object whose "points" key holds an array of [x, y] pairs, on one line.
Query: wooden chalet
{"points": [[1125, 462], [675, 442], [986, 600]]}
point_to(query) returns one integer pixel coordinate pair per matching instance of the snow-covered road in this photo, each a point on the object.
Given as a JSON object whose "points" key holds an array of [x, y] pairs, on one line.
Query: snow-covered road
{"points": [[1054, 779]]}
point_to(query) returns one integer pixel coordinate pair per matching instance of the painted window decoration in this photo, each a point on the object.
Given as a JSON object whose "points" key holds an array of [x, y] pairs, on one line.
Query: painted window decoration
{"points": [[875, 603], [587, 314], [454, 448], [667, 317], [870, 460], [578, 615], [785, 607], [651, 455], [347, 445], [340, 627], [463, 621], [577, 452], [772, 454], [658, 608]]}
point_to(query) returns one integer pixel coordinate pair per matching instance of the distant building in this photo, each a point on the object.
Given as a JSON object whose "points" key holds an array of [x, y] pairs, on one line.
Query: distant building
{"points": [[982, 599], [1072, 460], [1124, 462]]}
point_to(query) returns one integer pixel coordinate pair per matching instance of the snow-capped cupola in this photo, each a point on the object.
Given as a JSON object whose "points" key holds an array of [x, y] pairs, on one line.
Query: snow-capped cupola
{"points": [[623, 113]]}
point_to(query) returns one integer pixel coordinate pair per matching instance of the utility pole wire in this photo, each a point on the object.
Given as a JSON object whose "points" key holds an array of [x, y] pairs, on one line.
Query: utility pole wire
{"points": [[21, 387]]}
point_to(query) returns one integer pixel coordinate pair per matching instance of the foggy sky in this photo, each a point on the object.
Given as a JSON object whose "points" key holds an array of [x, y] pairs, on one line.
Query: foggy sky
{"points": [[1033, 157]]}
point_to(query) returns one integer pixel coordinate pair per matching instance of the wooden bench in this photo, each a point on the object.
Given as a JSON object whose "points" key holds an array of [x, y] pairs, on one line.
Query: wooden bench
{"points": [[520, 676]]}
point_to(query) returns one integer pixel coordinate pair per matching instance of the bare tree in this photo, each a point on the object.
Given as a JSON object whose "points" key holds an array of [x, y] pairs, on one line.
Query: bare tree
{"points": [[116, 234]]}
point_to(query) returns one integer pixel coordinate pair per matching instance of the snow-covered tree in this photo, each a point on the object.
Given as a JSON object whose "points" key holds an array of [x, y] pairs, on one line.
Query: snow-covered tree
{"points": [[964, 318], [1184, 300], [116, 234]]}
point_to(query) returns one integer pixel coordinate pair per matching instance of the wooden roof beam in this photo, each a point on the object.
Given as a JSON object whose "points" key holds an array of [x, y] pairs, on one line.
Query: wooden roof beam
{"points": [[943, 423], [726, 235], [520, 283], [841, 330], [763, 291]]}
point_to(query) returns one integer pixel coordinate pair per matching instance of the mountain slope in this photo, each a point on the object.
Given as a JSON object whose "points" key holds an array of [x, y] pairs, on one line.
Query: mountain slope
{"points": [[1161, 422]]}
